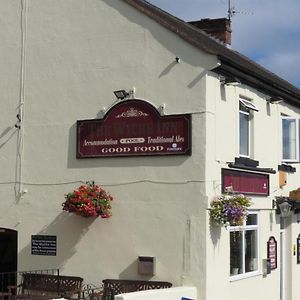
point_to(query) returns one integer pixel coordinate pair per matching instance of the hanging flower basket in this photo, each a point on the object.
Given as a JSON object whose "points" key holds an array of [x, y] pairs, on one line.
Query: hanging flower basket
{"points": [[88, 201], [230, 210]]}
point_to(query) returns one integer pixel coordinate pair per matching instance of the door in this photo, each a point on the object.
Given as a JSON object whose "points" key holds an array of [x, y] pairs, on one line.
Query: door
{"points": [[8, 258]]}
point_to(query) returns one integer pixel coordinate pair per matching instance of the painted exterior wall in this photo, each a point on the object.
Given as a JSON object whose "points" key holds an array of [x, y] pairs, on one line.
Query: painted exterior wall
{"points": [[61, 62], [168, 294], [223, 147]]}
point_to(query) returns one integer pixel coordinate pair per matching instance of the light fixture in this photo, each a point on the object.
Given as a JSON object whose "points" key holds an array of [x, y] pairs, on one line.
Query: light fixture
{"points": [[230, 80], [275, 100], [121, 94], [283, 206], [285, 209]]}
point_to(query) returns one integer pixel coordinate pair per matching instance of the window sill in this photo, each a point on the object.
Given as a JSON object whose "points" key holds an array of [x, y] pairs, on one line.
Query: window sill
{"points": [[290, 161], [244, 276]]}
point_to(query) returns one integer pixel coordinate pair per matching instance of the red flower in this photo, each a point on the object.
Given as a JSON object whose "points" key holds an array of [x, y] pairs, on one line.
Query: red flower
{"points": [[89, 201]]}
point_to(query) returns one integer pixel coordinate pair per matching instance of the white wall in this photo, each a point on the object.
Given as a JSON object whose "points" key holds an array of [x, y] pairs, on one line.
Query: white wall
{"points": [[176, 293], [61, 61], [63, 65], [223, 147]]}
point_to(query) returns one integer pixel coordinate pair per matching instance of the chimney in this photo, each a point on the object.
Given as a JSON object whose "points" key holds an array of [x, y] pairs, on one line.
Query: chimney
{"points": [[218, 28]]}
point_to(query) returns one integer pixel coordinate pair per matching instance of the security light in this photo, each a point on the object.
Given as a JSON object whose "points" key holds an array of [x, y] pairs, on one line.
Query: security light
{"points": [[275, 100], [230, 80], [121, 94]]}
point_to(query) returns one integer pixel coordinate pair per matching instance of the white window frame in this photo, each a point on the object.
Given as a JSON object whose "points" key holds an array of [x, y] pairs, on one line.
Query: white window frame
{"points": [[247, 113], [242, 230], [296, 159], [248, 104]]}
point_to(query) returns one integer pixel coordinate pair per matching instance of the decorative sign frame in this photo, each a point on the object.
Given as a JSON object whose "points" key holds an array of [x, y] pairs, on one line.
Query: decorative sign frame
{"points": [[134, 128], [43, 245], [272, 252]]}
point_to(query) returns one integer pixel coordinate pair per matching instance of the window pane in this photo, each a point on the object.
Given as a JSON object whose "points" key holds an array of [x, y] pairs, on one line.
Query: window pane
{"points": [[251, 219], [289, 138], [244, 134], [236, 253], [251, 258]]}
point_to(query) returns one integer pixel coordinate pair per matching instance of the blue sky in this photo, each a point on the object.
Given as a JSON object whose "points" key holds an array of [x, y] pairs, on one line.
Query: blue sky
{"points": [[267, 31]]}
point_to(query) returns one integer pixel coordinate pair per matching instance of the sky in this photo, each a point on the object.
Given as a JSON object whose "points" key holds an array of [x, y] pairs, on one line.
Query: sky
{"points": [[266, 31]]}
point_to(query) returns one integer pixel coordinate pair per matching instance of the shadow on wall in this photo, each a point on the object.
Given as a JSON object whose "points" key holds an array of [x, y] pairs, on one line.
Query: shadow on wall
{"points": [[67, 239], [5, 138], [215, 232], [126, 10], [130, 271]]}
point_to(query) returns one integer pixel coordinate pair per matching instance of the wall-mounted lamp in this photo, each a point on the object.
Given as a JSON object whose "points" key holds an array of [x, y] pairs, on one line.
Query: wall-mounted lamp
{"points": [[275, 100], [230, 80], [283, 206], [121, 94]]}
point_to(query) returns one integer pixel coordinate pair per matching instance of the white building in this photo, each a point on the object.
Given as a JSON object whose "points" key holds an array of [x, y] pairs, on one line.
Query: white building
{"points": [[61, 61]]}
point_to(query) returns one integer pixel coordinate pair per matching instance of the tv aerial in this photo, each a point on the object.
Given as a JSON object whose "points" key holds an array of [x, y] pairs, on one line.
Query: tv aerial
{"points": [[231, 11]]}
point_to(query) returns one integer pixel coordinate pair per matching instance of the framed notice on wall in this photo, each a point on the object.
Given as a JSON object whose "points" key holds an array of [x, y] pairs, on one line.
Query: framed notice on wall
{"points": [[272, 252], [43, 245]]}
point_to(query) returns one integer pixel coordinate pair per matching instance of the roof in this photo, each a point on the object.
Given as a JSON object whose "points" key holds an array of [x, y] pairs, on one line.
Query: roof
{"points": [[232, 62]]}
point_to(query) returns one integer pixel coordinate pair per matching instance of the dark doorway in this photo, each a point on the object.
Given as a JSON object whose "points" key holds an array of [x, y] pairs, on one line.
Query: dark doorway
{"points": [[8, 258]]}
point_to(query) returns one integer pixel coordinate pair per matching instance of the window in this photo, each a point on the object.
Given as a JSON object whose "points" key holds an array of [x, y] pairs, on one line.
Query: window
{"points": [[248, 104], [244, 116], [290, 139], [244, 247], [246, 107]]}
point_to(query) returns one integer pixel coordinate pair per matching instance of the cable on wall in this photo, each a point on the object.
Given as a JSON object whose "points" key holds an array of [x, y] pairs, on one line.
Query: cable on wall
{"points": [[103, 183], [21, 108]]}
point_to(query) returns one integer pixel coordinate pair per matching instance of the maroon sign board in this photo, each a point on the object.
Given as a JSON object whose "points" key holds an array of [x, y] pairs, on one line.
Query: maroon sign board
{"points": [[249, 183], [272, 252], [134, 128]]}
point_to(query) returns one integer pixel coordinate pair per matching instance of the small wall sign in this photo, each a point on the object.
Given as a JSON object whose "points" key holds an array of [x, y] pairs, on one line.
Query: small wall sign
{"points": [[134, 128], [298, 249], [43, 245], [272, 252]]}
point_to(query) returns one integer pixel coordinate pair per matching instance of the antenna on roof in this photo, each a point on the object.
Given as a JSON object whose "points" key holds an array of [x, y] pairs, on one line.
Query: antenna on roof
{"points": [[231, 11]]}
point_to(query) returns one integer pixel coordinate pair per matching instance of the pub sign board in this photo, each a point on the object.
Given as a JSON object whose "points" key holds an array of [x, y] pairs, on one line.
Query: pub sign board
{"points": [[134, 128], [248, 183], [43, 245], [272, 252]]}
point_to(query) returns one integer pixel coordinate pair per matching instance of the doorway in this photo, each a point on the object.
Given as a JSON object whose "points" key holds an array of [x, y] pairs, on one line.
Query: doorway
{"points": [[8, 258]]}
